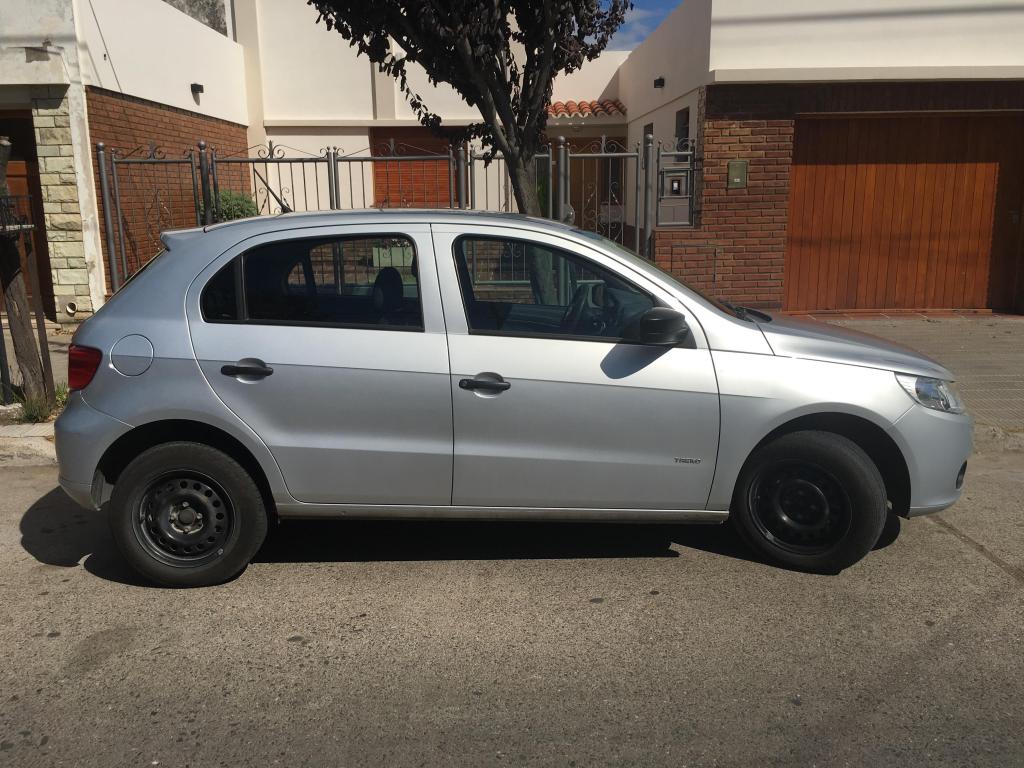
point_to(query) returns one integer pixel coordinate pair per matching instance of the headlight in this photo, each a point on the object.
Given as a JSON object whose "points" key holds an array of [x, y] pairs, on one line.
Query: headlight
{"points": [[936, 394]]}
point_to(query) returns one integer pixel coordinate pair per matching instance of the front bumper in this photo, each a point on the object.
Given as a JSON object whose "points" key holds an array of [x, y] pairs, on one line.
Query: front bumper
{"points": [[936, 446], [81, 437]]}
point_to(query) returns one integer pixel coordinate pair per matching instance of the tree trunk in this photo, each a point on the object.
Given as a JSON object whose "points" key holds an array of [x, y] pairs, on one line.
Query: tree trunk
{"points": [[523, 174], [19, 315]]}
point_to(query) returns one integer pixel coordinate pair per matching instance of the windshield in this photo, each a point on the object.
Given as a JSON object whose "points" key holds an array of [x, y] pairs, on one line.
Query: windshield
{"points": [[644, 265]]}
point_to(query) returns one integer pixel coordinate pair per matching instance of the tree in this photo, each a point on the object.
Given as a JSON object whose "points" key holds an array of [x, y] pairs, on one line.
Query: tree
{"points": [[501, 56], [12, 282]]}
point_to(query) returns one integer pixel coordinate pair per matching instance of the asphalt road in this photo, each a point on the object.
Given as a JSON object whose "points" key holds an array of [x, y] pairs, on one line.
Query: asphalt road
{"points": [[353, 644]]}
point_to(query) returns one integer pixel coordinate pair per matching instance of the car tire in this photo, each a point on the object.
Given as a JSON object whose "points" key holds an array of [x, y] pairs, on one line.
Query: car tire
{"points": [[187, 515], [810, 500]]}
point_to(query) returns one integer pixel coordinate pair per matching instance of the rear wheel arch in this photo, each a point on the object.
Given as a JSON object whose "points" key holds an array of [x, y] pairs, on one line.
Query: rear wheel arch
{"points": [[123, 450], [869, 437]]}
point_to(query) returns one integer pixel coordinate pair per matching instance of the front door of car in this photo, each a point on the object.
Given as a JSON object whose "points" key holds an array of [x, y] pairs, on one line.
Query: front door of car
{"points": [[552, 409], [329, 343]]}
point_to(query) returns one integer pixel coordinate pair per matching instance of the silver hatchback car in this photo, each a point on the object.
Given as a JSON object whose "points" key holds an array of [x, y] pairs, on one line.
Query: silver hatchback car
{"points": [[425, 364]]}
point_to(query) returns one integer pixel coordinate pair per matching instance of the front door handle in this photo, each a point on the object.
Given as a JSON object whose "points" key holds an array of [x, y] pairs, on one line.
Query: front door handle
{"points": [[487, 385], [256, 369]]}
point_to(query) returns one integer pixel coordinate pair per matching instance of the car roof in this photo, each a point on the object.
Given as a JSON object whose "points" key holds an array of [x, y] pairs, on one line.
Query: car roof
{"points": [[241, 229], [406, 215]]}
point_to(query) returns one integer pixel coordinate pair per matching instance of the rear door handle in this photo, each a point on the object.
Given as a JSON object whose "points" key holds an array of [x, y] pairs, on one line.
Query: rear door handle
{"points": [[488, 385], [255, 369]]}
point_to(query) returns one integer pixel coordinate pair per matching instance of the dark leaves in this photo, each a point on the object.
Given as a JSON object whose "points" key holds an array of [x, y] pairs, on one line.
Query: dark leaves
{"points": [[499, 55]]}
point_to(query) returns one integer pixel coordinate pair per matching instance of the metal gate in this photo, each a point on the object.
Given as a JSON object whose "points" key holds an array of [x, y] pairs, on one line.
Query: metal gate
{"points": [[620, 193]]}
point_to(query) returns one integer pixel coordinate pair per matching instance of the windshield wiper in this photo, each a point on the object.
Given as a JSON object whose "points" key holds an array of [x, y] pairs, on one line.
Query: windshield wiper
{"points": [[756, 314], [740, 312], [747, 313]]}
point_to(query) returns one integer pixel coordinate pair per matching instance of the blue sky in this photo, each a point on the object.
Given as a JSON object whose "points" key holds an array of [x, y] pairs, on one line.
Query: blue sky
{"points": [[640, 22]]}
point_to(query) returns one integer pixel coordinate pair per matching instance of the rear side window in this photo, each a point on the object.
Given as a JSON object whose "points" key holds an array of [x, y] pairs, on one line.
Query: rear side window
{"points": [[362, 282], [220, 297]]}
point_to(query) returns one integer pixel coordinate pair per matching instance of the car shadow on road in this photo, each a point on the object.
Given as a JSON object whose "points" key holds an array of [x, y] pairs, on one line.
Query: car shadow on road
{"points": [[301, 541], [55, 531]]}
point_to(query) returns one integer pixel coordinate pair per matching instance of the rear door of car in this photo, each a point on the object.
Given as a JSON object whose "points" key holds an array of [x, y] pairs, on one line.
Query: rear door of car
{"points": [[552, 409], [329, 342]]}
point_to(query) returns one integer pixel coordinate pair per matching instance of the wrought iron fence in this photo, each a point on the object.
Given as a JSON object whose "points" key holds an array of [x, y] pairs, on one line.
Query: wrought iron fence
{"points": [[598, 178], [275, 181], [604, 186]]}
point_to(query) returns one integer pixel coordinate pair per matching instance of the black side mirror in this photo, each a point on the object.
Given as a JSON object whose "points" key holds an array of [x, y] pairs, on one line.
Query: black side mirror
{"points": [[658, 326]]}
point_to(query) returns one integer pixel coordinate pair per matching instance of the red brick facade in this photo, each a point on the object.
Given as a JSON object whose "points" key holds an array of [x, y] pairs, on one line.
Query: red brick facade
{"points": [[737, 247], [153, 197]]}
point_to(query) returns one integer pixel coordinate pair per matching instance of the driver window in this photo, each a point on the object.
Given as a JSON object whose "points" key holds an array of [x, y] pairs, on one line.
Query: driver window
{"points": [[519, 288]]}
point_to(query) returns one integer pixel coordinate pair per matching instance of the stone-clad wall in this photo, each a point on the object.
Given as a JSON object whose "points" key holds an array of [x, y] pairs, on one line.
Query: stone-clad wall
{"points": [[61, 209]]}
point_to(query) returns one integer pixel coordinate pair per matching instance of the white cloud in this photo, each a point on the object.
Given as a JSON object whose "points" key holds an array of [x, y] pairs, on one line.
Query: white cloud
{"points": [[640, 22]]}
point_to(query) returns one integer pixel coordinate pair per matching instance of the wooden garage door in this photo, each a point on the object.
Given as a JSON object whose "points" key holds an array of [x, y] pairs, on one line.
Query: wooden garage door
{"points": [[916, 212]]}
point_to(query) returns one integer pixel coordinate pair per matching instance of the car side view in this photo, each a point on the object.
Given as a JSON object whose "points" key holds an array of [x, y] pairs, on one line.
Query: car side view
{"points": [[435, 364]]}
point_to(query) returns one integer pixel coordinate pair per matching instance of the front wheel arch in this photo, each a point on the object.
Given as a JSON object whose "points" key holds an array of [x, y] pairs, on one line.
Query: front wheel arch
{"points": [[883, 451]]}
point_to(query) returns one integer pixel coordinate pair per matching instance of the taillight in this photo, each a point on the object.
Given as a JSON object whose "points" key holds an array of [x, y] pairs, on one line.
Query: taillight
{"points": [[83, 362]]}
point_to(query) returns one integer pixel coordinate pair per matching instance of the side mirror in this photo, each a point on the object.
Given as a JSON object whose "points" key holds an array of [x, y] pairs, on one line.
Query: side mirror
{"points": [[658, 326]]}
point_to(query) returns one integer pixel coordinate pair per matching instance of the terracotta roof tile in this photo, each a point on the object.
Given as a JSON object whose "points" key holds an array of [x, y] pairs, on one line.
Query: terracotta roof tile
{"points": [[592, 108]]}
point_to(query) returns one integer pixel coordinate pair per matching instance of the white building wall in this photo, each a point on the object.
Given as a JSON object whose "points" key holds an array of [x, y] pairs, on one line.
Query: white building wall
{"points": [[597, 79], [679, 51], [309, 75], [874, 34], [147, 49]]}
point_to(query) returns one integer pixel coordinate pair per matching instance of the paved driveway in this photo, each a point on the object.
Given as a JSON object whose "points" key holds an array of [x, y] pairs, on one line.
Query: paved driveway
{"points": [[456, 644], [985, 352]]}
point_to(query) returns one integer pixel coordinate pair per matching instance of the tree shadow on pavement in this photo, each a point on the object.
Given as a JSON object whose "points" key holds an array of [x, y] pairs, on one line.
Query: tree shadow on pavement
{"points": [[56, 531]]}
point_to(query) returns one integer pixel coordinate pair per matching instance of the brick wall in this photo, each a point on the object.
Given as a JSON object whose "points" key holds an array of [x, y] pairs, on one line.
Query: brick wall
{"points": [[736, 250], [154, 197]]}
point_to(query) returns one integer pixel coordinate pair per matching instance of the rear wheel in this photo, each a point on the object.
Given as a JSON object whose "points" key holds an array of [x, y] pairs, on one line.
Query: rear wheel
{"points": [[811, 500], [185, 514]]}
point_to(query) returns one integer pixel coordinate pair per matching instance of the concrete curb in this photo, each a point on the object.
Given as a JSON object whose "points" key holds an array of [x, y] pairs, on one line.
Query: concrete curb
{"points": [[45, 429], [31, 451]]}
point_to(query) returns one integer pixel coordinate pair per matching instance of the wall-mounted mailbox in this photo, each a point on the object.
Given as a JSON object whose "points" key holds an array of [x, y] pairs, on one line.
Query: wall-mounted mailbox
{"points": [[736, 174]]}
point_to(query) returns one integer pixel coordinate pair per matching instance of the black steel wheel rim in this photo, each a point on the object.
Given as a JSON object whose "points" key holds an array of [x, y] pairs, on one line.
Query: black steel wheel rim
{"points": [[184, 519], [799, 507]]}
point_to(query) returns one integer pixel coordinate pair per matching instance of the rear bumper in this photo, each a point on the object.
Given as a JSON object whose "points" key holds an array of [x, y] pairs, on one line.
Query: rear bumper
{"points": [[81, 437], [936, 446], [81, 493]]}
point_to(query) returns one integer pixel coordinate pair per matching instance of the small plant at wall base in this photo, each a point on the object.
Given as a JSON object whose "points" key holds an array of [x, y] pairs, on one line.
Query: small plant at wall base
{"points": [[36, 410], [233, 205]]}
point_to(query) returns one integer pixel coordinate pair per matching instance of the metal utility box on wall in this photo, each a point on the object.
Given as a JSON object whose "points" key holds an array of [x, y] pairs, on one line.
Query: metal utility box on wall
{"points": [[736, 174]]}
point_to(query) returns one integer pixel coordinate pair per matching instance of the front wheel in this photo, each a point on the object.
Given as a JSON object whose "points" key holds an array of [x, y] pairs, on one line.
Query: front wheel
{"points": [[810, 500], [187, 515]]}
